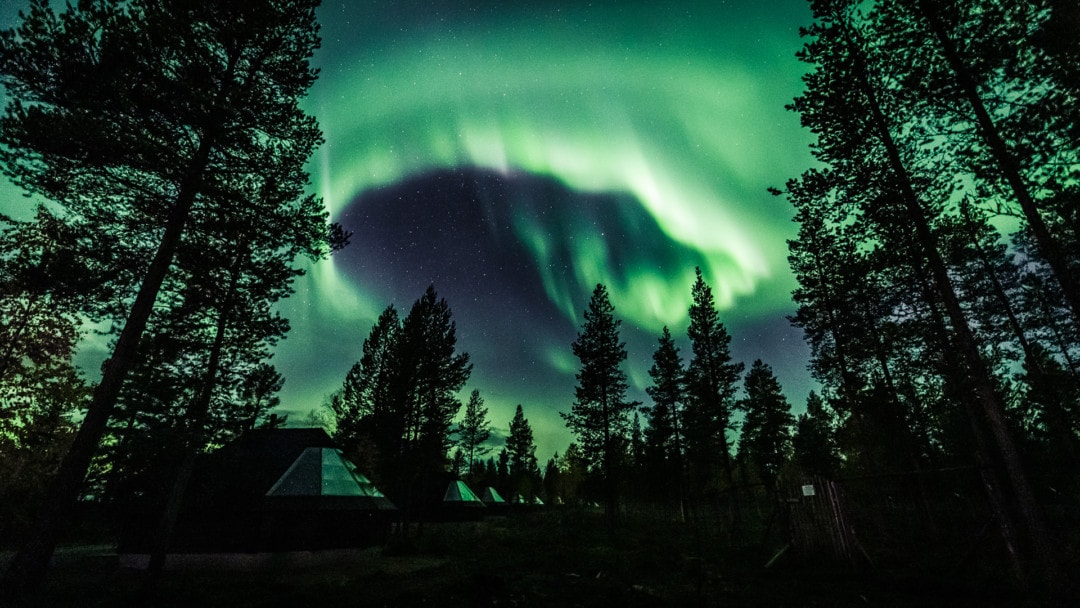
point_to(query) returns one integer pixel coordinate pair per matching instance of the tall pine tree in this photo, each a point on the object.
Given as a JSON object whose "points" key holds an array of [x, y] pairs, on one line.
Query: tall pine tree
{"points": [[473, 430], [524, 470], [430, 372], [711, 383], [364, 410], [395, 410], [599, 415], [149, 122], [663, 436], [765, 437]]}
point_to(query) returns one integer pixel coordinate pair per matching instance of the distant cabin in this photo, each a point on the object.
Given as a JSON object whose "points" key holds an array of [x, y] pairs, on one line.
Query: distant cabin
{"points": [[491, 496], [495, 503], [460, 502]]}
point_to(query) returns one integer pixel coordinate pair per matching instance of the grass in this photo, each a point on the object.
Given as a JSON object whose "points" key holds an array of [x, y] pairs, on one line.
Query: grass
{"points": [[559, 558]]}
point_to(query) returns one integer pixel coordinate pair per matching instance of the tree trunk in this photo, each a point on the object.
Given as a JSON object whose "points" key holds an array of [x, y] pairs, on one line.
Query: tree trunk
{"points": [[679, 462], [197, 415], [988, 466], [993, 410], [849, 384], [1006, 162], [611, 500], [28, 567]]}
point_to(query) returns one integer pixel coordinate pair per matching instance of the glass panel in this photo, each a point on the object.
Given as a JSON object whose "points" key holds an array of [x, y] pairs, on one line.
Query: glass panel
{"points": [[466, 494], [337, 479], [301, 478]]}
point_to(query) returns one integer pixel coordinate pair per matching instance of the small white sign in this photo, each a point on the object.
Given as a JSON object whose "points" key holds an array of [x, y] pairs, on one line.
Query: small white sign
{"points": [[808, 490]]}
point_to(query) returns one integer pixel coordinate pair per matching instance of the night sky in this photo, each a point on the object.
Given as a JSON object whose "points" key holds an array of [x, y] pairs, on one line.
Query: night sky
{"points": [[514, 154]]}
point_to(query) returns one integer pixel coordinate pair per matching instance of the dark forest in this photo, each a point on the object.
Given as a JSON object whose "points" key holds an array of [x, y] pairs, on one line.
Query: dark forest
{"points": [[937, 264]]}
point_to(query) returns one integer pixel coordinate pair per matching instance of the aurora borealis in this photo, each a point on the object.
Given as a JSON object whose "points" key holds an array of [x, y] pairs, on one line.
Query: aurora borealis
{"points": [[515, 154]]}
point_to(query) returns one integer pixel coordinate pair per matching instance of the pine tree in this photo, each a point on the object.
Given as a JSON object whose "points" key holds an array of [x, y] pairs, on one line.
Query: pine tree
{"points": [[502, 473], [433, 372], [1019, 149], [474, 429], [573, 472], [663, 435], [599, 414], [832, 277], [523, 469], [813, 445], [457, 462], [396, 407], [765, 439], [148, 131], [552, 480], [711, 382], [365, 409]]}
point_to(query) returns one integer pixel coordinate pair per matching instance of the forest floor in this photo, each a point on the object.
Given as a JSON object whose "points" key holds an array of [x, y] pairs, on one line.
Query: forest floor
{"points": [[535, 560]]}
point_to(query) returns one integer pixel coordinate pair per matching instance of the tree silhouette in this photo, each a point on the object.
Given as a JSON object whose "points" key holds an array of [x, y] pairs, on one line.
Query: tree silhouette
{"points": [[395, 409], [553, 482], [366, 410], [885, 185], [968, 64], [813, 443], [663, 435], [151, 123], [711, 382], [431, 373], [524, 470], [598, 416], [473, 430], [502, 473], [765, 437]]}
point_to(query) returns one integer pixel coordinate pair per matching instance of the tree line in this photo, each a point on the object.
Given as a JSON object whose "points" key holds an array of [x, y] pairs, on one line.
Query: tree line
{"points": [[393, 416], [709, 430]]}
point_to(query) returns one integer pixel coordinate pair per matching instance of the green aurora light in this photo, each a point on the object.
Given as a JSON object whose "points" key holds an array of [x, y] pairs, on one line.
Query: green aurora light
{"points": [[676, 107], [683, 122], [679, 107]]}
